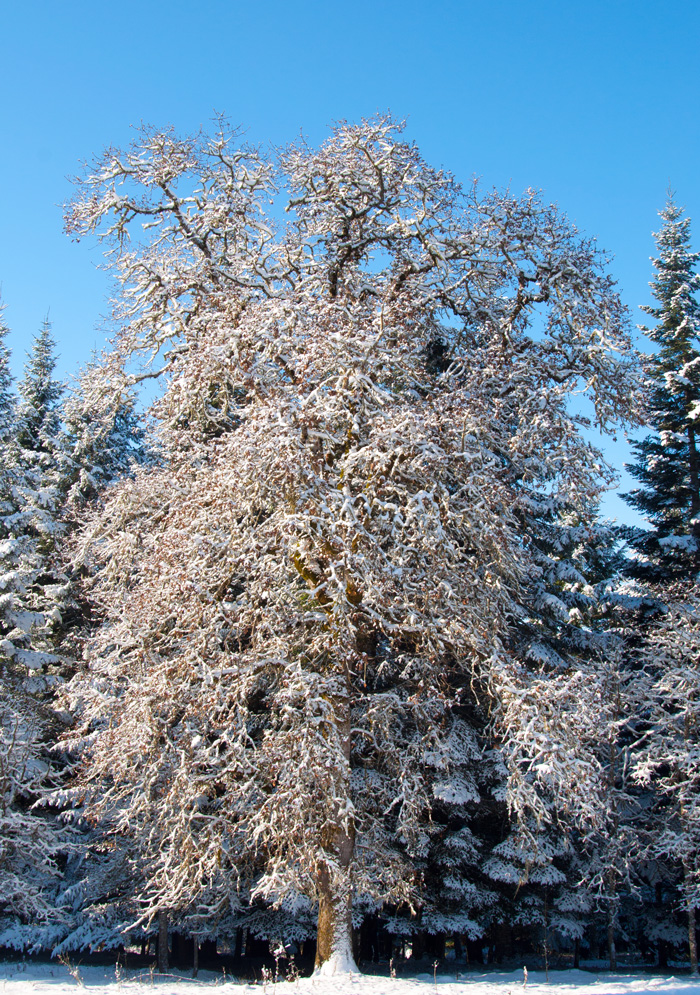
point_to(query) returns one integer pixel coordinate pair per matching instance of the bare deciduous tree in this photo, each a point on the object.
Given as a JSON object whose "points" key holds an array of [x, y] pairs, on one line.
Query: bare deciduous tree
{"points": [[358, 413]]}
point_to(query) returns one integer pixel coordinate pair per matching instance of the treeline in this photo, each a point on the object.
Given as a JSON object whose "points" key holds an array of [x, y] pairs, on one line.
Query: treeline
{"points": [[327, 646]]}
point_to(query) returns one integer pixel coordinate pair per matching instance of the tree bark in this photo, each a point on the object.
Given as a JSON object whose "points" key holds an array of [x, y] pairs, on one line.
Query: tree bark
{"points": [[334, 936], [612, 950], [546, 936], [612, 913], [418, 945], [163, 942], [694, 471], [662, 953], [662, 949], [334, 948], [238, 947], [692, 941], [195, 956]]}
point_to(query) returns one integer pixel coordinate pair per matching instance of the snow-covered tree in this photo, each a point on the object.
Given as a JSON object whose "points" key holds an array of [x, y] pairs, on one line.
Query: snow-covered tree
{"points": [[48, 473], [31, 843], [668, 461], [38, 422], [8, 464], [104, 437], [7, 399], [327, 573], [669, 759], [32, 587], [666, 563]]}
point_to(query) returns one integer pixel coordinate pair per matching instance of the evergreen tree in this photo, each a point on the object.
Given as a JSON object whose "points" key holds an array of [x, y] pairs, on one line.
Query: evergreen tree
{"points": [[7, 400], [7, 428], [59, 471], [33, 587], [32, 843], [104, 437], [669, 757], [38, 417], [30, 840], [662, 662], [668, 461]]}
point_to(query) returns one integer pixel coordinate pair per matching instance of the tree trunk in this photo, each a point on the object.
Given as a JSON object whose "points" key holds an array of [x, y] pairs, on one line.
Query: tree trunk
{"points": [[612, 951], [163, 942], [662, 952], [418, 945], [662, 949], [577, 953], [693, 941], [694, 467], [612, 916], [546, 936], [334, 936], [435, 946], [195, 956], [238, 947], [177, 955]]}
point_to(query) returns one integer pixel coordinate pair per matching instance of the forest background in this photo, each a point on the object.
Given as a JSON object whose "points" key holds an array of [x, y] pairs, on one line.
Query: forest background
{"points": [[334, 620]]}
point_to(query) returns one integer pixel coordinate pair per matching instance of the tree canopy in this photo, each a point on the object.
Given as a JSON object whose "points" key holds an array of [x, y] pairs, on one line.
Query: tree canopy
{"points": [[313, 604]]}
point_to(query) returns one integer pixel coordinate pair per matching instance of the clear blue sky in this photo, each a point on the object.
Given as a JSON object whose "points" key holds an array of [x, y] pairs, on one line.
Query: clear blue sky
{"points": [[596, 104]]}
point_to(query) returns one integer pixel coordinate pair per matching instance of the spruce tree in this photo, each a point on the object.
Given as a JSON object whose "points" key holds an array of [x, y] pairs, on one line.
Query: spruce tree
{"points": [[104, 438], [30, 840], [668, 760], [667, 463], [668, 560], [7, 402], [7, 421], [32, 587], [38, 421]]}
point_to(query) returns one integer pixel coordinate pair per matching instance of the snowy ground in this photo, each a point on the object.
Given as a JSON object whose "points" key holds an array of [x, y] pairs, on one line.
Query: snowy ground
{"points": [[56, 979]]}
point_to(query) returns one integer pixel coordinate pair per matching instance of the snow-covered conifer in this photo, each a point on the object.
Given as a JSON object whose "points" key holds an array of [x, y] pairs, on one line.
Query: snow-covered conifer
{"points": [[7, 426], [30, 840], [104, 437], [7, 400], [32, 587], [38, 422], [668, 461], [669, 757]]}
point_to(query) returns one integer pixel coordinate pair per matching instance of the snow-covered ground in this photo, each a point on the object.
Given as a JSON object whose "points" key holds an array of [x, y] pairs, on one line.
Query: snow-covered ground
{"points": [[57, 979]]}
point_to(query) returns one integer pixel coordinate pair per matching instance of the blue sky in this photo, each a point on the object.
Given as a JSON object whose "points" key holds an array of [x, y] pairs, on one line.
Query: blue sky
{"points": [[596, 104]]}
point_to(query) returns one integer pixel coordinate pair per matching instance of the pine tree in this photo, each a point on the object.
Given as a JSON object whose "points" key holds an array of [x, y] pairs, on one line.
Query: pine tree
{"points": [[31, 843], [32, 584], [7, 428], [669, 759], [38, 418], [7, 400], [104, 438], [63, 467], [668, 461], [661, 657]]}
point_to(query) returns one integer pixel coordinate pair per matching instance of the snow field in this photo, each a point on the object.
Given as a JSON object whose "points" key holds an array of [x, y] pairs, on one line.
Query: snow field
{"points": [[56, 979]]}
